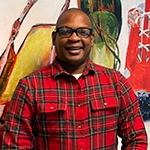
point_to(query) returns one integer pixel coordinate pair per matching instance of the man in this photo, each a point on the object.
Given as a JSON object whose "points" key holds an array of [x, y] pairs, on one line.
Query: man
{"points": [[74, 104]]}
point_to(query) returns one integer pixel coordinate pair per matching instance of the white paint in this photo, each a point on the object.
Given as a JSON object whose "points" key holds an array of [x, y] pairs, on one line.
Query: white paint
{"points": [[43, 11]]}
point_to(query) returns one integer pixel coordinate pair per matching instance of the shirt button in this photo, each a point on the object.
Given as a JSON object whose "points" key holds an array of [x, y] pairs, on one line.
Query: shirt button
{"points": [[51, 107], [105, 104], [79, 105], [79, 127]]}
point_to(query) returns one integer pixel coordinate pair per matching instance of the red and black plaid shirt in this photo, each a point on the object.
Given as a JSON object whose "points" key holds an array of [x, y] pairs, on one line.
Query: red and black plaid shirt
{"points": [[52, 110]]}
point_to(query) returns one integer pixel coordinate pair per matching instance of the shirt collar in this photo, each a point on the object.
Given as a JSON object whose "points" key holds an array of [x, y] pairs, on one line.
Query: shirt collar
{"points": [[57, 69]]}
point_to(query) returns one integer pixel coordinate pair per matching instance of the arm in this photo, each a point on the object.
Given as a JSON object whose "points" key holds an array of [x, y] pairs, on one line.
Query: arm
{"points": [[131, 127], [18, 122]]}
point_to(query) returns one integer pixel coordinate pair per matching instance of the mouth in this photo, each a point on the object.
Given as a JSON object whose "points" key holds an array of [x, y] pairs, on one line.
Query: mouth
{"points": [[74, 50]]}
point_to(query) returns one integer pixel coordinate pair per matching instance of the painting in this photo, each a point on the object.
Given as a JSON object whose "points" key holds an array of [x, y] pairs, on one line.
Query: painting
{"points": [[122, 40]]}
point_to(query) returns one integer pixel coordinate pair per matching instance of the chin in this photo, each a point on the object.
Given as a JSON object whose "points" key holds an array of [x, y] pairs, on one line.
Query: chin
{"points": [[76, 62]]}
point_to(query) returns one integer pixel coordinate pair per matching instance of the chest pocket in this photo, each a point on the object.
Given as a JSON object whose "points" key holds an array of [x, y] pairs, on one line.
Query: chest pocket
{"points": [[49, 116], [51, 107], [106, 103], [104, 114]]}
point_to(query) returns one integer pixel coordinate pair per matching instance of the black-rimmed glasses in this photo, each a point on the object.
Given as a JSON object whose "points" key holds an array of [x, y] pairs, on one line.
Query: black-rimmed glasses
{"points": [[66, 32]]}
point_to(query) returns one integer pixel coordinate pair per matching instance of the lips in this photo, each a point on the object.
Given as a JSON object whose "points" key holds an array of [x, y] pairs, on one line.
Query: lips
{"points": [[74, 49]]}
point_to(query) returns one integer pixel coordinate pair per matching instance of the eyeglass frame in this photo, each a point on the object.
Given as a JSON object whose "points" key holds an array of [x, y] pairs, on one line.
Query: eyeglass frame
{"points": [[74, 30]]}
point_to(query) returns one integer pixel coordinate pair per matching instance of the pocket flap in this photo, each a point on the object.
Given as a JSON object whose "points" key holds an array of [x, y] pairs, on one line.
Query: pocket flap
{"points": [[52, 107], [105, 103]]}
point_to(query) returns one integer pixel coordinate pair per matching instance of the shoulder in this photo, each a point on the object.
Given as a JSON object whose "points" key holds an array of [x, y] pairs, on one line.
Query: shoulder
{"points": [[110, 72], [37, 75], [111, 76], [44, 71]]}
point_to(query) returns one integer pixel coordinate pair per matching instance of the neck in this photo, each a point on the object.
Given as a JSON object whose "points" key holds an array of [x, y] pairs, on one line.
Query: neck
{"points": [[74, 69]]}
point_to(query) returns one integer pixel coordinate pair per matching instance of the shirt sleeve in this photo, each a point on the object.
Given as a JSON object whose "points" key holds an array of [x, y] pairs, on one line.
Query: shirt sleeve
{"points": [[131, 126], [18, 122]]}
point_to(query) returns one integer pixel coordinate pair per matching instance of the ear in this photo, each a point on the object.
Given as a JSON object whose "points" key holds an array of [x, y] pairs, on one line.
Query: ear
{"points": [[53, 37]]}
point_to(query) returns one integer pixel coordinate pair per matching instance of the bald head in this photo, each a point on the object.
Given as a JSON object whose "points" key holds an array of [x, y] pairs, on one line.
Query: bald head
{"points": [[71, 14]]}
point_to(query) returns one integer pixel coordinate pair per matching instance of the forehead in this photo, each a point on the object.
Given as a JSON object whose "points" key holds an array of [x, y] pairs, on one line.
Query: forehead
{"points": [[74, 18]]}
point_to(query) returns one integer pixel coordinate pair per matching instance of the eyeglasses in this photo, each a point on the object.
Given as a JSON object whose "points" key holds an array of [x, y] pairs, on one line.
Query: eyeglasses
{"points": [[66, 32]]}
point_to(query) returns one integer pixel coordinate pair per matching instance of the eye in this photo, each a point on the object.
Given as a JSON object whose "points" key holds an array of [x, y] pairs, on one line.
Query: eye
{"points": [[64, 31], [84, 32]]}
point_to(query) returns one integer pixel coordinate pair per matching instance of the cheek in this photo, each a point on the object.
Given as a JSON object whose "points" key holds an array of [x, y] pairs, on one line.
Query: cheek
{"points": [[90, 40], [88, 44], [59, 45]]}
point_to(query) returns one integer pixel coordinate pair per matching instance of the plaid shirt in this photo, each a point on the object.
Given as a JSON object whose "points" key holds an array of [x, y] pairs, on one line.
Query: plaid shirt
{"points": [[52, 110]]}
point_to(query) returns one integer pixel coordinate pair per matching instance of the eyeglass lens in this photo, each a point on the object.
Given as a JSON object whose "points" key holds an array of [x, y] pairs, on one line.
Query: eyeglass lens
{"points": [[67, 32]]}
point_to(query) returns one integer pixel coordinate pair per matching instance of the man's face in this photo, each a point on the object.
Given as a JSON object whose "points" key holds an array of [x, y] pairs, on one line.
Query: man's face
{"points": [[73, 50]]}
